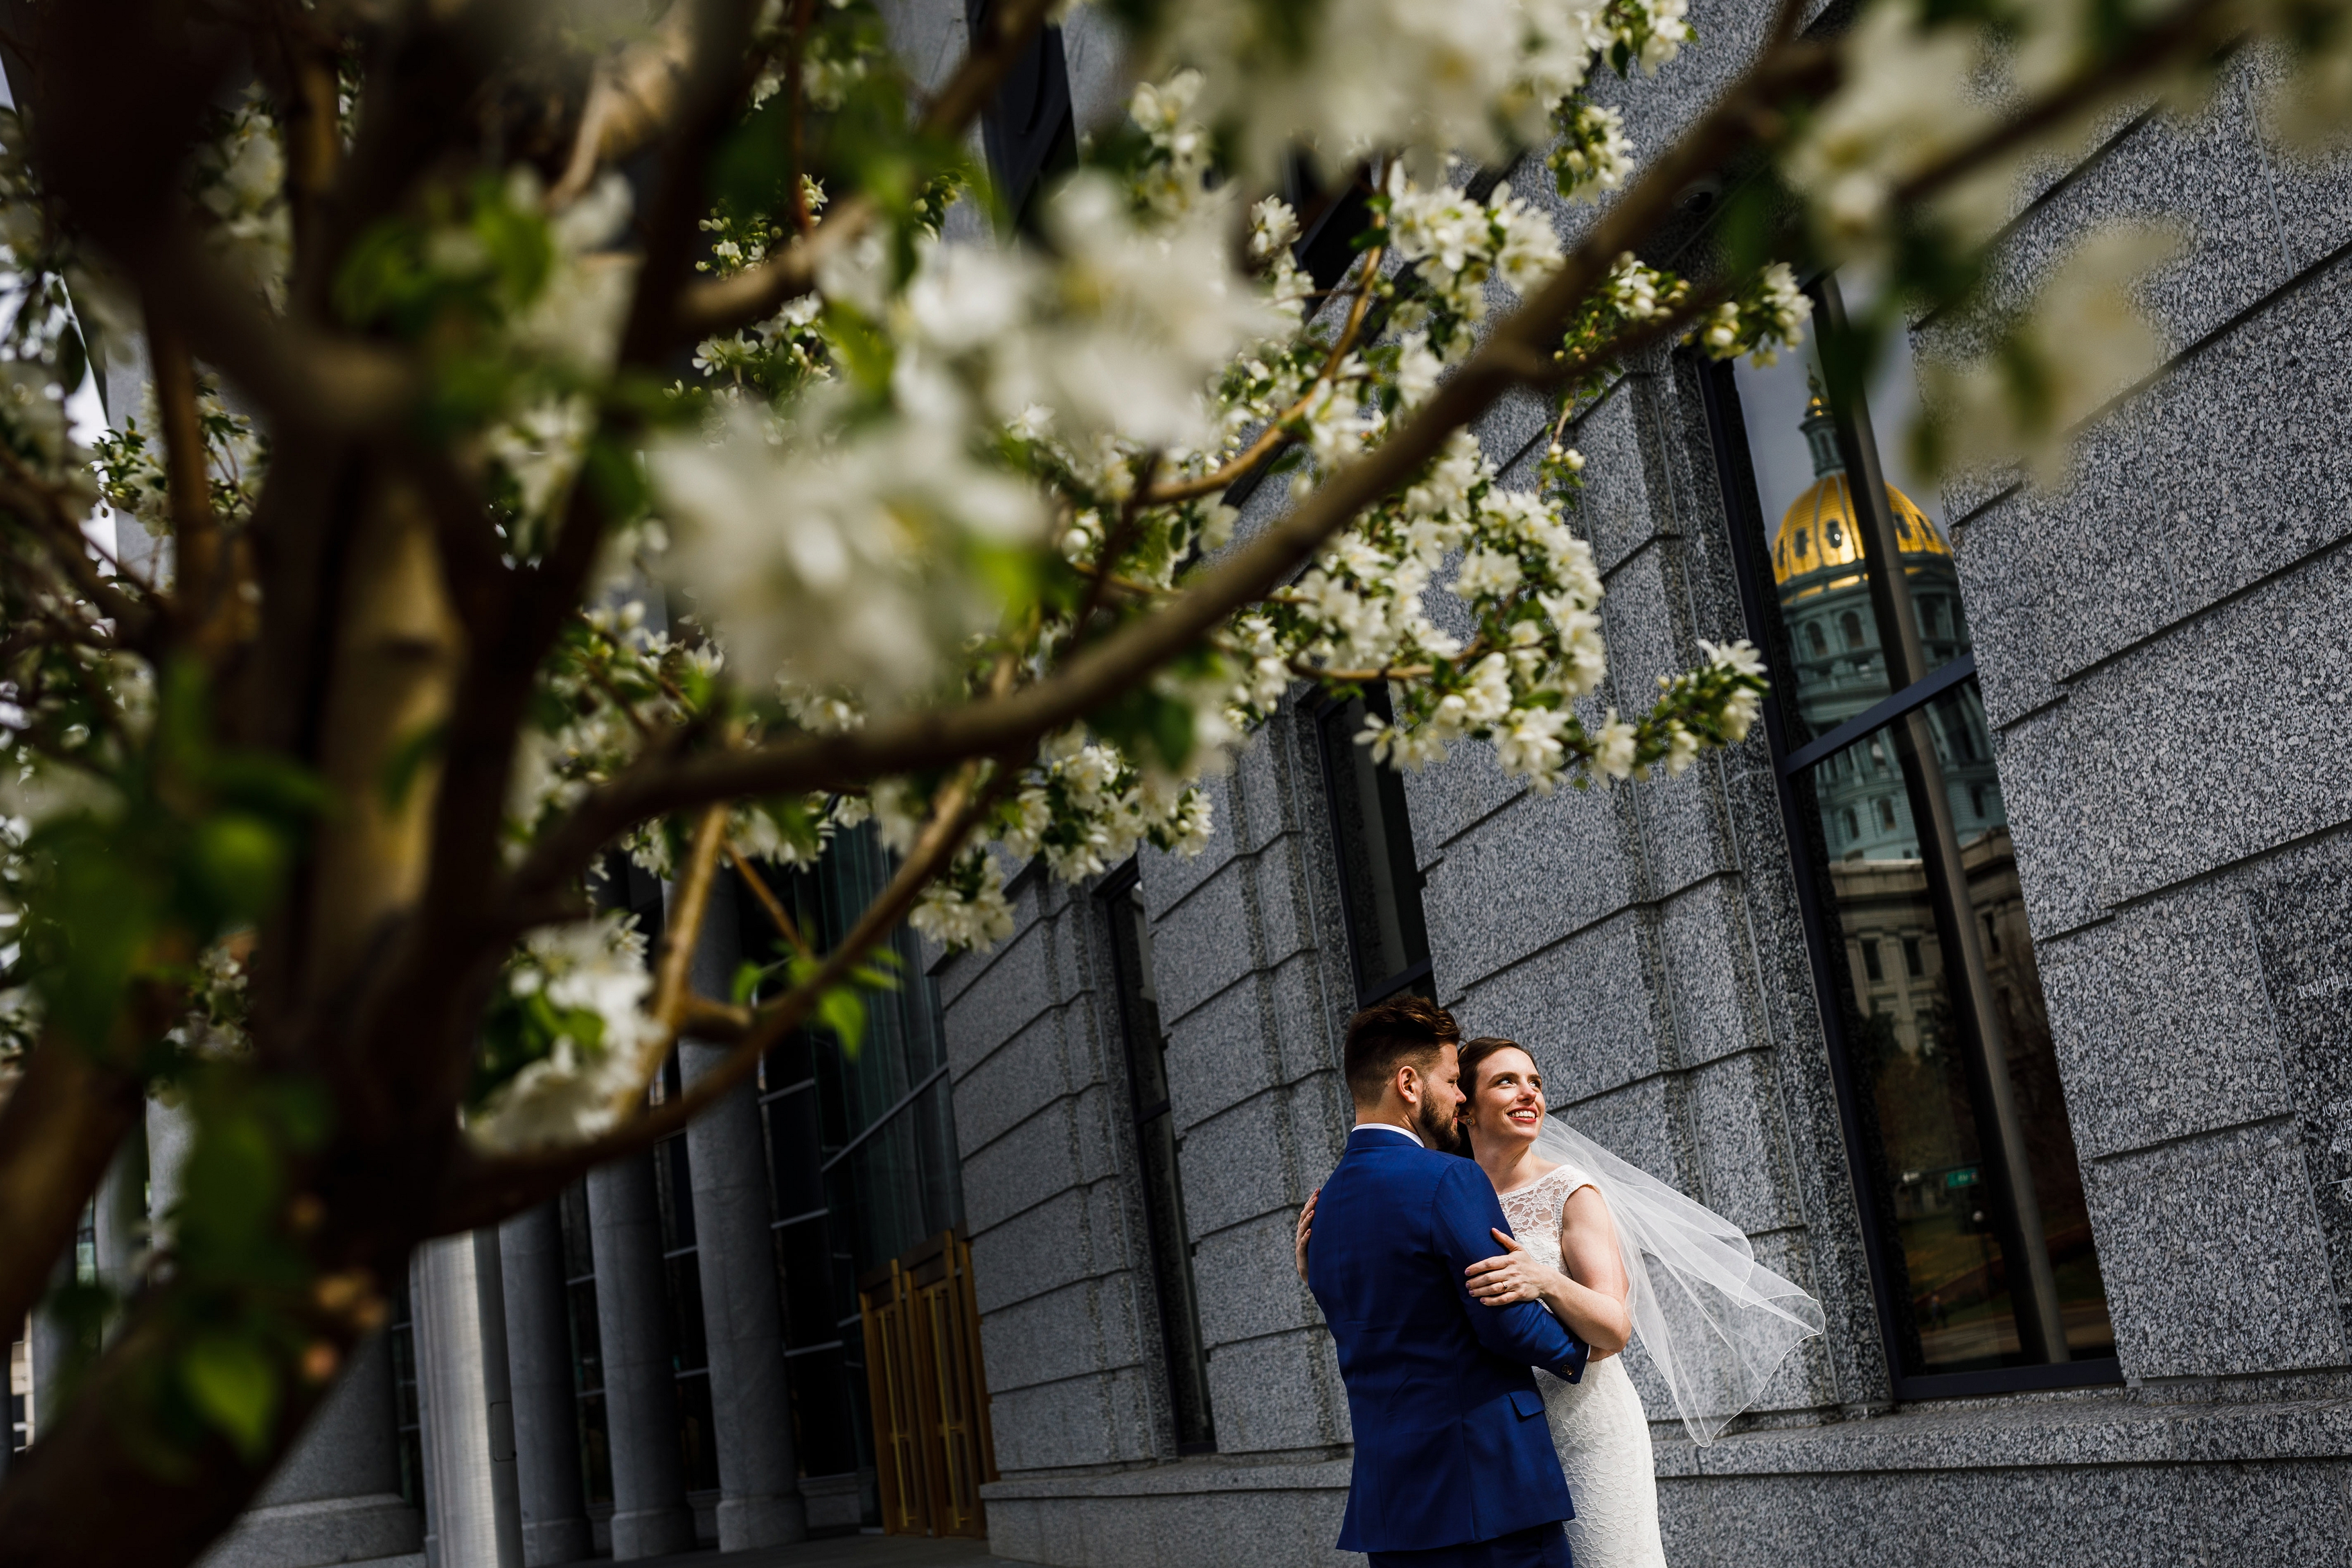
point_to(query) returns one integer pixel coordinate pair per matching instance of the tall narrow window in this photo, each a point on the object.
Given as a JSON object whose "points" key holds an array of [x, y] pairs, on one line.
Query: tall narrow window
{"points": [[1379, 880], [682, 1273], [1029, 131], [596, 1442], [1156, 1146], [862, 1161], [1973, 1201], [407, 1415]]}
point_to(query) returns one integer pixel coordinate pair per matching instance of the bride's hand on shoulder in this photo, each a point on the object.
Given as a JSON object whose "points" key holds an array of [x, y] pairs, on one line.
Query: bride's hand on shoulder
{"points": [[1305, 1228], [1509, 1277]]}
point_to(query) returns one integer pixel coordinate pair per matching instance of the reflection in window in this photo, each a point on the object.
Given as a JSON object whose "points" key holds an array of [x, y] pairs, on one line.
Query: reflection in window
{"points": [[1965, 1141], [1156, 1146], [1379, 881], [1801, 476], [1905, 1040]]}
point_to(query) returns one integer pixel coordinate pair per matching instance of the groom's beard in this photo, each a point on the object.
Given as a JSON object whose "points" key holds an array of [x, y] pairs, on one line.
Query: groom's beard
{"points": [[1439, 1130]]}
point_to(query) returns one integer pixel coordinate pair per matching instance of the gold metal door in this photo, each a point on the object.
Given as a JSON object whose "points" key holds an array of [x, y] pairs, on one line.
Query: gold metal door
{"points": [[934, 1448]]}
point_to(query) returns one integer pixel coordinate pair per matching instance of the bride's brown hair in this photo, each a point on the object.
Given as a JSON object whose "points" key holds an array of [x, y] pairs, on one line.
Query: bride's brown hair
{"points": [[1475, 1051]]}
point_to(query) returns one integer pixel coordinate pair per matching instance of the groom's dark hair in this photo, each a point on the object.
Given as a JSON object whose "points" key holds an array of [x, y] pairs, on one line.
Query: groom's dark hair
{"points": [[1388, 1034]]}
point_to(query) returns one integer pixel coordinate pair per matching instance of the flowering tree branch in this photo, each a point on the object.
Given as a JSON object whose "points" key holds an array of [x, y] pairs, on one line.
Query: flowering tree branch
{"points": [[480, 1189], [1283, 428], [721, 305], [1517, 352]]}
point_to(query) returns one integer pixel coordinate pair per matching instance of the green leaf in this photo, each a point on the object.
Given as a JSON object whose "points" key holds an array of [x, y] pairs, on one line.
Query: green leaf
{"points": [[99, 906], [234, 1385], [746, 986], [230, 1189], [239, 860], [1171, 732], [843, 1010]]}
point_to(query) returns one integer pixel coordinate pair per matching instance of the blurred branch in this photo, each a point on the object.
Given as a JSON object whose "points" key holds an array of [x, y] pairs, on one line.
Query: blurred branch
{"points": [[756, 293], [481, 1190], [70, 1110], [674, 961], [200, 590], [1518, 350], [632, 100], [1278, 429], [2195, 31], [782, 922]]}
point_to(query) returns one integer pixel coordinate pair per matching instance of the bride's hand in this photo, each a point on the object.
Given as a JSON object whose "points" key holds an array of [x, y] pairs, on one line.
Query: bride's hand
{"points": [[1305, 1228], [1511, 1277]]}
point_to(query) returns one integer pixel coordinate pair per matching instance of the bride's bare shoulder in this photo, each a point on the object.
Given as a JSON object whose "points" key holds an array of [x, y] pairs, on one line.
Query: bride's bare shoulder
{"points": [[1543, 1169]]}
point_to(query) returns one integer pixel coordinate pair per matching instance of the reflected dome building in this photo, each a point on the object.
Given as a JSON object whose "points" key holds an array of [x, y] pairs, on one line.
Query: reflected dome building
{"points": [[1824, 592]]}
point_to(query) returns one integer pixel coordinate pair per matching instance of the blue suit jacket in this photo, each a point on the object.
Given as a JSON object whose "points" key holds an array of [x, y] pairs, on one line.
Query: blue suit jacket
{"points": [[1451, 1442]]}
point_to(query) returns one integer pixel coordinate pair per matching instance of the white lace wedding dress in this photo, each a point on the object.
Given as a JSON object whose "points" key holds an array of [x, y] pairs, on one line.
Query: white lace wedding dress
{"points": [[1596, 1424]]}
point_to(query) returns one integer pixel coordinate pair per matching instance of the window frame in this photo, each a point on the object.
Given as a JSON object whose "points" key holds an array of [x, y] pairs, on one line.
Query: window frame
{"points": [[1179, 1341], [1421, 974], [1749, 532]]}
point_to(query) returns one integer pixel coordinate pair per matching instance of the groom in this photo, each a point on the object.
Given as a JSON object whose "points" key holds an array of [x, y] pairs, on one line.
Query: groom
{"points": [[1454, 1466]]}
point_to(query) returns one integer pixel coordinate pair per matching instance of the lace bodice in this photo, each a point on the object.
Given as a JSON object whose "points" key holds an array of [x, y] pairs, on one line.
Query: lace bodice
{"points": [[1534, 1211]]}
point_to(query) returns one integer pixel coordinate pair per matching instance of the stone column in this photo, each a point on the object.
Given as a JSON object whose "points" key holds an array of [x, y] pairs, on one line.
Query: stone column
{"points": [[458, 1307], [538, 1367], [47, 1347], [759, 1477], [337, 1497], [650, 1516]]}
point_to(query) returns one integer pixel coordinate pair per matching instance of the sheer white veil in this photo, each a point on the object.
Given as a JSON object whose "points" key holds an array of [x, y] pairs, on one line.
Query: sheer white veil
{"points": [[1713, 1320]]}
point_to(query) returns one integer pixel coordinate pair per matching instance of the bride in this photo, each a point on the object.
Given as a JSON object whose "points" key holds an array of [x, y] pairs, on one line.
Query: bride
{"points": [[1573, 1263], [1620, 1258]]}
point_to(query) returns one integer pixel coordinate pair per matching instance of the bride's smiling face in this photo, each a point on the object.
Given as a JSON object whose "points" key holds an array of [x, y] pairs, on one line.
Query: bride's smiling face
{"points": [[1508, 1101]]}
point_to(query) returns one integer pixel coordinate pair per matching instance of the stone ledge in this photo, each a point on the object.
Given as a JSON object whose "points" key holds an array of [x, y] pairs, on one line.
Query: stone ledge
{"points": [[2119, 1428], [1180, 1477]]}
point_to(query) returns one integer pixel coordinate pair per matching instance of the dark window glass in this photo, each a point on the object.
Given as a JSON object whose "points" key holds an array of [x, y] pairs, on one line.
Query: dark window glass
{"points": [[682, 1280], [1028, 128], [1980, 1233], [594, 1436], [1379, 880], [1158, 1149], [407, 1415], [697, 1438], [862, 1160]]}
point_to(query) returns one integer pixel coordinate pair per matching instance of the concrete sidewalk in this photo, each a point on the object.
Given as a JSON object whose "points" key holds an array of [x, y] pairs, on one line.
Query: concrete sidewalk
{"points": [[845, 1551]]}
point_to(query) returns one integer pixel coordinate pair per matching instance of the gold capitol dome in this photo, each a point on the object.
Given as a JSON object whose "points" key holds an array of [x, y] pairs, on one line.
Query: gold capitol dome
{"points": [[1817, 532]]}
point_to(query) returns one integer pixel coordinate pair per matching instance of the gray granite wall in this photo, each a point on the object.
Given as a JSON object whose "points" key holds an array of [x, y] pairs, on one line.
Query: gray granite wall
{"points": [[1252, 1002], [1068, 1334]]}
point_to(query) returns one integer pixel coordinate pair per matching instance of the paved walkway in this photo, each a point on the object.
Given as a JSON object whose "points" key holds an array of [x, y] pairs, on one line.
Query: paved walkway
{"points": [[845, 1551]]}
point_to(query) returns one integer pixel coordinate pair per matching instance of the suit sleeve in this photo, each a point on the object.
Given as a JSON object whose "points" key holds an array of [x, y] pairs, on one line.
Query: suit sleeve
{"points": [[1524, 1332]]}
